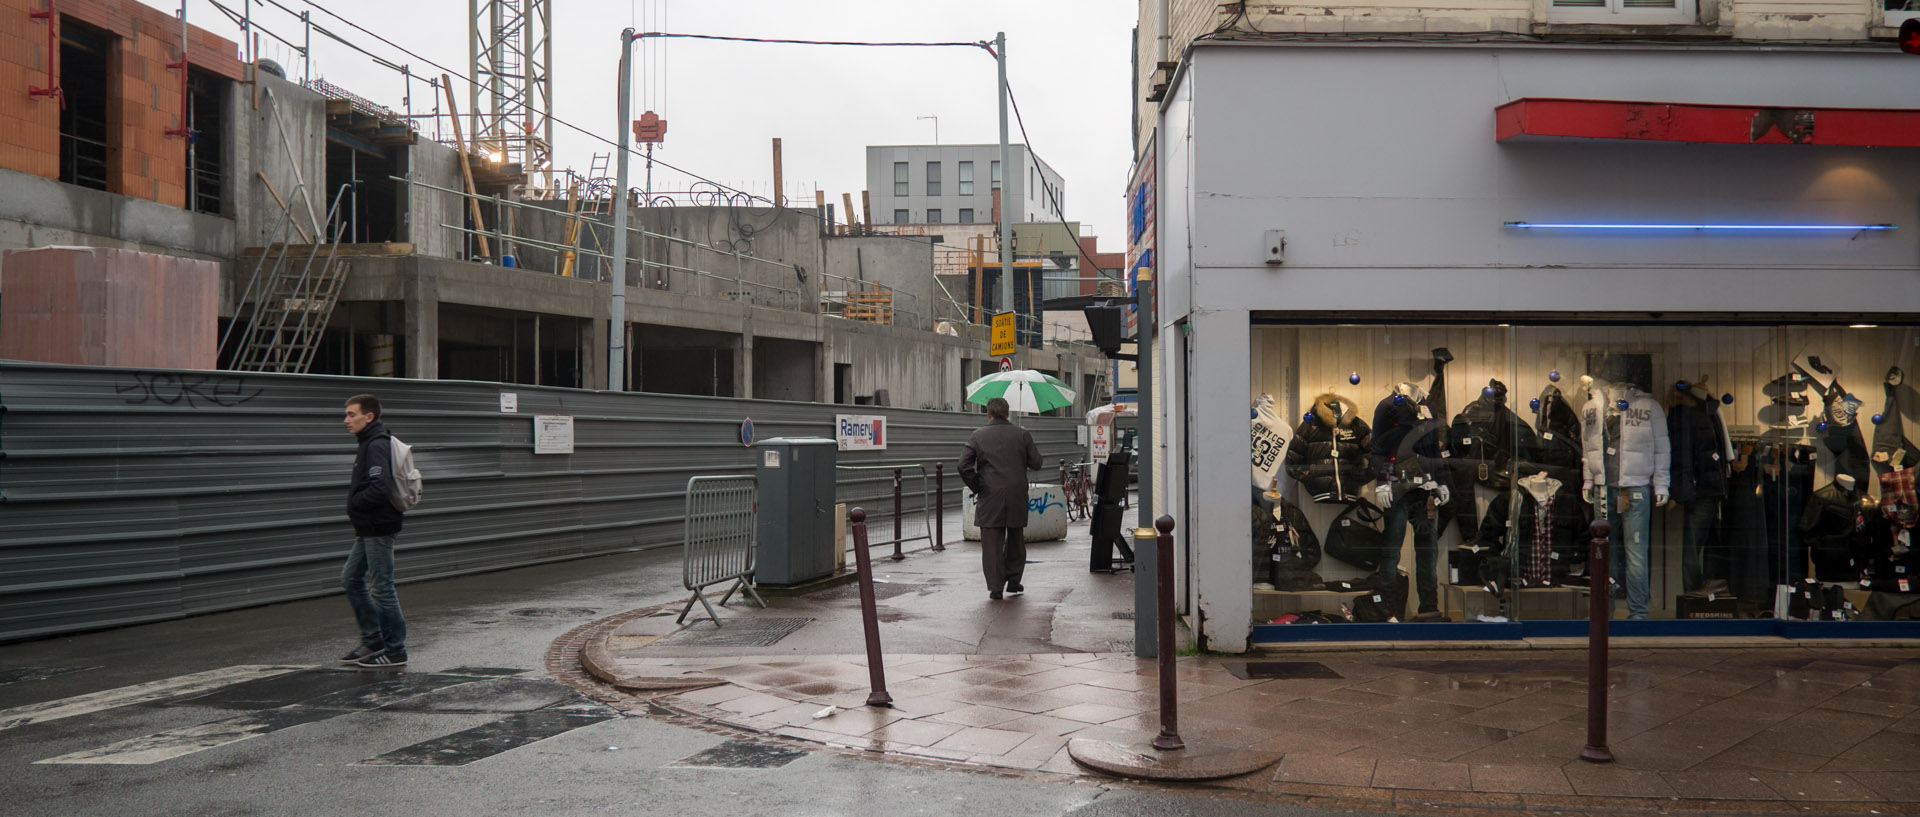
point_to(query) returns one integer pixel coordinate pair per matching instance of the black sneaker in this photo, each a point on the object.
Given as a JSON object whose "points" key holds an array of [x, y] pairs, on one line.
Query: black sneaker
{"points": [[362, 651], [383, 660], [993, 594], [1015, 589]]}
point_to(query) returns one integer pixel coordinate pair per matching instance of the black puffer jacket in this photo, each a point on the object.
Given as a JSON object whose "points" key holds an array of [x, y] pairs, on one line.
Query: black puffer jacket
{"points": [[1834, 526], [369, 494], [1700, 466], [1407, 447], [1329, 451], [1486, 435], [1567, 541]]}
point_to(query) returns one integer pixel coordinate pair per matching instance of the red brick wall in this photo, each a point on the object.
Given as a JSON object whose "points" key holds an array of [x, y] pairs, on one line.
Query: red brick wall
{"points": [[144, 162]]}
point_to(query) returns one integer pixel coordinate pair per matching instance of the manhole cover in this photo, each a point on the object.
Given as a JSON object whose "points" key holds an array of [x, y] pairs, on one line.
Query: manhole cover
{"points": [[743, 632], [554, 612], [740, 754], [1280, 669], [881, 590]]}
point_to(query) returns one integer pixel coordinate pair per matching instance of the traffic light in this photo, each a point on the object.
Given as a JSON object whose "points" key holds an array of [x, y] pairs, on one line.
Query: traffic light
{"points": [[1910, 35], [1105, 320]]}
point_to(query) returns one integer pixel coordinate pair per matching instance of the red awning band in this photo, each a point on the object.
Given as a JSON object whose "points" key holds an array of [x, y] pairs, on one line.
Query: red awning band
{"points": [[1706, 124]]}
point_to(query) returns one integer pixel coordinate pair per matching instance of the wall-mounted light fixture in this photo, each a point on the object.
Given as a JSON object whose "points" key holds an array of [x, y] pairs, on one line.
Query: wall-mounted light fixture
{"points": [[1534, 225]]}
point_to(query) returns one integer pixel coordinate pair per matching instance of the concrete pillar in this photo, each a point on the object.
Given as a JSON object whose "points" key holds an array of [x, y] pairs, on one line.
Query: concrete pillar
{"points": [[1215, 489], [743, 366], [420, 298], [593, 339]]}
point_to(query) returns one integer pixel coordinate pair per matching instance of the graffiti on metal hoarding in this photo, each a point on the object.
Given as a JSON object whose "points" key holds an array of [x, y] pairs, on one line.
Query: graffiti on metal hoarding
{"points": [[191, 390]]}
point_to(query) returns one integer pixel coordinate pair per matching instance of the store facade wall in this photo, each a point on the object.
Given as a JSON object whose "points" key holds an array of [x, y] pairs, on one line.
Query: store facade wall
{"points": [[1394, 196]]}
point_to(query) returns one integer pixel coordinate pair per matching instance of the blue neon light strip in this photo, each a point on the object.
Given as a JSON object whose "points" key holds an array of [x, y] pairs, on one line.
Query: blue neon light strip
{"points": [[1530, 225]]}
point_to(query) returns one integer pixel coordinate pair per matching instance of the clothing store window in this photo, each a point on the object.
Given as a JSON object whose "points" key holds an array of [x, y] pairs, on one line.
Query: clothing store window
{"points": [[1454, 472]]}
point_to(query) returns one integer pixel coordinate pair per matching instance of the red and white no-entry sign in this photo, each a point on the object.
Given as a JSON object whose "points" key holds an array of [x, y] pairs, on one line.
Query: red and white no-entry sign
{"points": [[1006, 364]]}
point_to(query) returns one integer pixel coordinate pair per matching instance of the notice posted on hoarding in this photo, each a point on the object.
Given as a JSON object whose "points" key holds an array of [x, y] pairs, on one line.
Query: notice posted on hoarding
{"points": [[552, 434]]}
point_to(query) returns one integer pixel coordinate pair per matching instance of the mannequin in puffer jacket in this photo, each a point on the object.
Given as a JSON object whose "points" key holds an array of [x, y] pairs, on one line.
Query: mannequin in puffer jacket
{"points": [[1485, 436], [1702, 463], [1627, 454], [1892, 450], [1410, 461], [1328, 455], [1834, 527]]}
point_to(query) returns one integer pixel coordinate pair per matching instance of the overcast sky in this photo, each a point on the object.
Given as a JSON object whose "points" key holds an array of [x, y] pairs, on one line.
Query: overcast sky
{"points": [[724, 102]]}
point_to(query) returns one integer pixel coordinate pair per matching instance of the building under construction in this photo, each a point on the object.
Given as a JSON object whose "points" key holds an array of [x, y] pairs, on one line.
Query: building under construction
{"points": [[313, 230]]}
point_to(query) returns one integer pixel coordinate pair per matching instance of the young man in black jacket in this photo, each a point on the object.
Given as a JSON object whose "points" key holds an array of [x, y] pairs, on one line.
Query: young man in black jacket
{"points": [[368, 574]]}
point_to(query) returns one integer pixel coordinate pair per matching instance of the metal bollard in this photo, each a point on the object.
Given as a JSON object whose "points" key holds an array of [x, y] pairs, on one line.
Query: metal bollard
{"points": [[939, 506], [897, 555], [1599, 611], [1169, 737], [869, 617]]}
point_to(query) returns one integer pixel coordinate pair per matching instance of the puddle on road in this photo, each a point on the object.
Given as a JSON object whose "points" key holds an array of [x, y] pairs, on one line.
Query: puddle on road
{"points": [[740, 754]]}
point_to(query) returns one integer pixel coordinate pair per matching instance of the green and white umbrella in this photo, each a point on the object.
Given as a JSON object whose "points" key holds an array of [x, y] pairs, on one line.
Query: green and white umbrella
{"points": [[1025, 390]]}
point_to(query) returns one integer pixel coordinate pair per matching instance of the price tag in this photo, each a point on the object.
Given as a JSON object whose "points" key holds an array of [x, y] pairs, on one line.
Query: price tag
{"points": [[1346, 523], [1903, 586], [1547, 436], [1376, 596], [1466, 441], [1276, 557]]}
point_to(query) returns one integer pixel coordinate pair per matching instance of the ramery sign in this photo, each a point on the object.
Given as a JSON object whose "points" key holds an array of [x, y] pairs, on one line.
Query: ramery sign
{"points": [[860, 432]]}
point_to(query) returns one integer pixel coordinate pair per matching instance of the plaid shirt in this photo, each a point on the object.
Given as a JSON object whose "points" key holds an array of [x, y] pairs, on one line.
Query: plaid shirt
{"points": [[1897, 499]]}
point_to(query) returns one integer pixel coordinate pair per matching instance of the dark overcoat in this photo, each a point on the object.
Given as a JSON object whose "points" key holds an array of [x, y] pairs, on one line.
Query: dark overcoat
{"points": [[994, 467]]}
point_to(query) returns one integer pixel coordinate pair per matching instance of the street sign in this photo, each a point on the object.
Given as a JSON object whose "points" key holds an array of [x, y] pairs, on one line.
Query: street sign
{"points": [[1003, 335], [1006, 364]]}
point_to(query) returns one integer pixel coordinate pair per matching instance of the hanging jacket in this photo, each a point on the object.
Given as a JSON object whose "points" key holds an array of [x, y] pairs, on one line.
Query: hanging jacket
{"points": [[1556, 448], [1892, 450], [1485, 436], [1284, 532], [1270, 439], [1624, 448], [1842, 436], [1328, 455], [1698, 439], [1834, 526]]}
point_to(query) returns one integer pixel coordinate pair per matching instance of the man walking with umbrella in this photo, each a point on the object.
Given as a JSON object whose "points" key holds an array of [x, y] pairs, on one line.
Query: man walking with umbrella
{"points": [[994, 467]]}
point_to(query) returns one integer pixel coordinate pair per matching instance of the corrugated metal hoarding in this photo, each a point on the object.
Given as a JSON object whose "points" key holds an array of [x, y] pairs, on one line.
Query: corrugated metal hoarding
{"points": [[130, 495]]}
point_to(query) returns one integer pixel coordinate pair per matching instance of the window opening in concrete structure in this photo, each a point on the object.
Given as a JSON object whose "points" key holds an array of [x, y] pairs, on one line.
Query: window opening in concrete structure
{"points": [[370, 211], [966, 179], [933, 179], [933, 217], [784, 369], [900, 178], [842, 382], [900, 217], [678, 360], [966, 215], [87, 64], [207, 147]]}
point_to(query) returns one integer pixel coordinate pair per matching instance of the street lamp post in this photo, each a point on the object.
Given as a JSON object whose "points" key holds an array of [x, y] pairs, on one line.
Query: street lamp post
{"points": [[617, 333], [1006, 185], [936, 126]]}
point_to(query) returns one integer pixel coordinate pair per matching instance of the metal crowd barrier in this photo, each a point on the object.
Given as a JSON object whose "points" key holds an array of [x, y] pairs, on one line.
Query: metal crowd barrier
{"points": [[723, 514], [928, 509]]}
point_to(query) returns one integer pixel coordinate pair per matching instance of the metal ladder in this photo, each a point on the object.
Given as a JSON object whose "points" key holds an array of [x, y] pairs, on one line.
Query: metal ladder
{"points": [[291, 305]]}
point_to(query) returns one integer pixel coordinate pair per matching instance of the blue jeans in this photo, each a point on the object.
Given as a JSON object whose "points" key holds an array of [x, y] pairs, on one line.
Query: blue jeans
{"points": [[1635, 528], [1411, 506], [368, 578]]}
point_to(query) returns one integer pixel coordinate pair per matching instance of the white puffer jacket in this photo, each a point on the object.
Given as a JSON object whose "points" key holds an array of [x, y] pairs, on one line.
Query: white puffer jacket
{"points": [[1643, 450]]}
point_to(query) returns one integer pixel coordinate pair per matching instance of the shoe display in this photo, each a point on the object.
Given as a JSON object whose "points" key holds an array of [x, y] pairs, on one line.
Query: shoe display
{"points": [[362, 651], [383, 659]]}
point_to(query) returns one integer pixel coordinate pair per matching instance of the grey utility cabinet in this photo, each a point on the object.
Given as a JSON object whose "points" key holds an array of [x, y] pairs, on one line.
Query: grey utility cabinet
{"points": [[796, 509]]}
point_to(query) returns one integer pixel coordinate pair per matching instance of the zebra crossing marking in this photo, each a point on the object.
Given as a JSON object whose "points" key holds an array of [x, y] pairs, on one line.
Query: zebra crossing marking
{"points": [[138, 693]]}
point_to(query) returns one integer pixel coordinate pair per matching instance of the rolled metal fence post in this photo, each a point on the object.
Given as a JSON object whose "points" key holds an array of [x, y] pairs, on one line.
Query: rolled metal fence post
{"points": [[1169, 737], [1599, 611], [897, 555], [939, 509], [869, 617]]}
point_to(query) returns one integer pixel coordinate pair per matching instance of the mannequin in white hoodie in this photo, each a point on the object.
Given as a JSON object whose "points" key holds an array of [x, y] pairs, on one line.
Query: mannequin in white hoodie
{"points": [[1625, 475]]}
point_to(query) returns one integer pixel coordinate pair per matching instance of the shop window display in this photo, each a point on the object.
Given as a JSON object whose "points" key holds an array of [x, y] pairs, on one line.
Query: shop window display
{"points": [[1744, 469]]}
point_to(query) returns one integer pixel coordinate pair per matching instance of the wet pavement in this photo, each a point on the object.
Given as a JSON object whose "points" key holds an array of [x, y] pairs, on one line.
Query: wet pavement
{"points": [[1747, 725]]}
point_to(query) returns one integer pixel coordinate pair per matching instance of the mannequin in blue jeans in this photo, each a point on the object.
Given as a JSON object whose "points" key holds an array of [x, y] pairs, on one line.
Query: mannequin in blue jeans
{"points": [[1420, 508], [1626, 454]]}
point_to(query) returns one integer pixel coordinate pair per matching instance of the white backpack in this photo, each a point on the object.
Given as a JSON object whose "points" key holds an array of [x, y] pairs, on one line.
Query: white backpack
{"points": [[406, 478]]}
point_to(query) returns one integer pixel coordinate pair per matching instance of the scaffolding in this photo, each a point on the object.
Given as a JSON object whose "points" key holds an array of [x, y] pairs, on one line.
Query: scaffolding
{"points": [[510, 103]]}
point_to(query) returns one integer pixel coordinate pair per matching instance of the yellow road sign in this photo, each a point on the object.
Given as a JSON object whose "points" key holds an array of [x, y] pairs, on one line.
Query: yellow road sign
{"points": [[1003, 335]]}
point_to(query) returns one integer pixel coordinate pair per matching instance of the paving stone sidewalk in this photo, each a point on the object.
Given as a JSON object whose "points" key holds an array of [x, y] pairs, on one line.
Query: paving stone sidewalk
{"points": [[1008, 683]]}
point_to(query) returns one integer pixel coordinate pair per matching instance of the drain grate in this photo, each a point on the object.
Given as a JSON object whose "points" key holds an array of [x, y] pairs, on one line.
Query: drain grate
{"points": [[1125, 646], [740, 754], [1124, 615], [554, 612], [743, 632], [881, 590], [1280, 669]]}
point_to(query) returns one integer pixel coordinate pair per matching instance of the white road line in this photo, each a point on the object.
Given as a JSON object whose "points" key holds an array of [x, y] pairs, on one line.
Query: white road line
{"points": [[138, 693], [186, 740]]}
